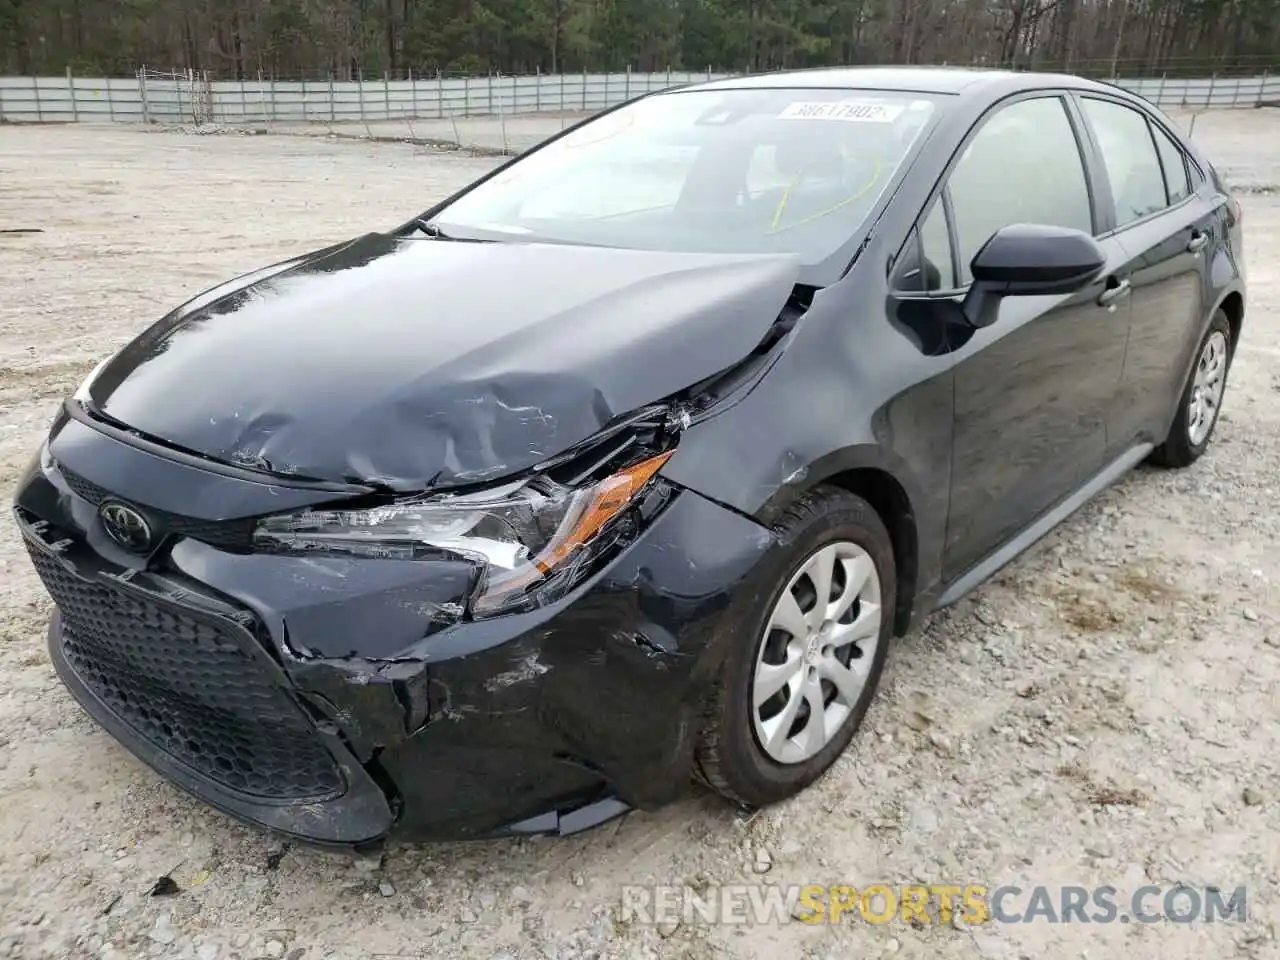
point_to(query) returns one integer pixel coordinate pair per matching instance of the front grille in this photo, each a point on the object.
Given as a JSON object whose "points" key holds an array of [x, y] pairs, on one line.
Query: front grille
{"points": [[229, 534], [198, 691]]}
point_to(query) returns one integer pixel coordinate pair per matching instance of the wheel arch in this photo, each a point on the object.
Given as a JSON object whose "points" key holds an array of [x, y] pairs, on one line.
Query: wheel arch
{"points": [[1233, 306], [871, 473]]}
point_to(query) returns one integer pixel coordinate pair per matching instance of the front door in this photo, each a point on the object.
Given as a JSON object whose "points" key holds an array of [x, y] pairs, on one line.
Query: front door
{"points": [[1033, 391]]}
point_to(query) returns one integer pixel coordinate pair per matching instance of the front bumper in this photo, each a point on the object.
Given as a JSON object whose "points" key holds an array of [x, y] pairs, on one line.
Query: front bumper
{"points": [[335, 700]]}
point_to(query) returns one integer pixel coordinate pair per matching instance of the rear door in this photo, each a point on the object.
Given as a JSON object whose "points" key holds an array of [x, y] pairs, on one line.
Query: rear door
{"points": [[1165, 226], [1033, 391]]}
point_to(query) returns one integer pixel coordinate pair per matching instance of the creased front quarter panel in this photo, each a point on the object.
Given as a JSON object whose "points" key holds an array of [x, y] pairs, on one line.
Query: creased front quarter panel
{"points": [[851, 391]]}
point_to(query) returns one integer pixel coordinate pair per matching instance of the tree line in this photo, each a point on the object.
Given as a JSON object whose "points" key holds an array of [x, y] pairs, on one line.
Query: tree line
{"points": [[344, 39]]}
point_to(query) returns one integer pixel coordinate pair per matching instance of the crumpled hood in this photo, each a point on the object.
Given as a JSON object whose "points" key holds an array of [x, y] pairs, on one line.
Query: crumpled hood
{"points": [[411, 362]]}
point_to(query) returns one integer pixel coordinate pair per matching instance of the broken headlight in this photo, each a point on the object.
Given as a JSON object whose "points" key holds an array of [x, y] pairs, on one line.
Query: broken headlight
{"points": [[532, 539]]}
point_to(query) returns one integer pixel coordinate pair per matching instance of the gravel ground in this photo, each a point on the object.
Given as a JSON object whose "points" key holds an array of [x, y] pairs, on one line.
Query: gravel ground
{"points": [[1105, 712]]}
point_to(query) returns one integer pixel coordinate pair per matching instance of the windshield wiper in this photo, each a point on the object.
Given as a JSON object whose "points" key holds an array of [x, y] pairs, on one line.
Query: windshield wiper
{"points": [[435, 233], [431, 230]]}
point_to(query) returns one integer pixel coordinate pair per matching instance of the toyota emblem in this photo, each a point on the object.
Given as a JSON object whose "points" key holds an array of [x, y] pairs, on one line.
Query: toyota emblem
{"points": [[126, 526]]}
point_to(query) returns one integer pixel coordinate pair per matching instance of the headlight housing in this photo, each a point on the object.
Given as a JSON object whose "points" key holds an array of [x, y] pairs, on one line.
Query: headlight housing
{"points": [[533, 539]]}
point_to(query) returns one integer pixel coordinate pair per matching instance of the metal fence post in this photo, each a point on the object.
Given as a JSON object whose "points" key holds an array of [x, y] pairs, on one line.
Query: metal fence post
{"points": [[1212, 83], [466, 95], [562, 91], [440, 94], [1160, 92], [584, 88], [142, 92], [537, 90], [1262, 89], [306, 114], [360, 91], [626, 92], [386, 92], [71, 91], [35, 95]]}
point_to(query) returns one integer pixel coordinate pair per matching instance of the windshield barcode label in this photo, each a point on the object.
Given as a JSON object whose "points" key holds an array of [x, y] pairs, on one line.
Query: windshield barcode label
{"points": [[842, 110]]}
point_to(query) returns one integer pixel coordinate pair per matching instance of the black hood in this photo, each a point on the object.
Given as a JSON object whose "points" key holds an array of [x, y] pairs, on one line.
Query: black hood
{"points": [[412, 362]]}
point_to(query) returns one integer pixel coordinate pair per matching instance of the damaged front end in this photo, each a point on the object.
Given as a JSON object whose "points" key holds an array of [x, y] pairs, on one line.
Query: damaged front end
{"points": [[523, 655]]}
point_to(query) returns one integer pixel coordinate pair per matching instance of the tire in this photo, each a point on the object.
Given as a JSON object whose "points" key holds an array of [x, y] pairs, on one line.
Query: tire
{"points": [[1189, 436], [732, 756]]}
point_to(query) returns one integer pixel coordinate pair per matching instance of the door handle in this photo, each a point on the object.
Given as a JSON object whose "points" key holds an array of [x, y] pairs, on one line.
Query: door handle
{"points": [[1197, 242], [1110, 295]]}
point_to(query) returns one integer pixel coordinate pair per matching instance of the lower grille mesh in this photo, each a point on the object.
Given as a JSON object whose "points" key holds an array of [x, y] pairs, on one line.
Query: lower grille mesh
{"points": [[190, 688]]}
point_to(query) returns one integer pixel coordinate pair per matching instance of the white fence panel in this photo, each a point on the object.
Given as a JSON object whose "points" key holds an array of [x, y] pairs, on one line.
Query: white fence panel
{"points": [[189, 98]]}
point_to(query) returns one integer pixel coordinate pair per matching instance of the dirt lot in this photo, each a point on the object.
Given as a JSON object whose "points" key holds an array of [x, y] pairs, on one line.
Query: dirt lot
{"points": [[1106, 712]]}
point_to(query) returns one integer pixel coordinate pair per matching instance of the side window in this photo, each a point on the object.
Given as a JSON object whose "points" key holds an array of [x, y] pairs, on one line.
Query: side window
{"points": [[932, 242], [1023, 166], [1129, 154], [1175, 166]]}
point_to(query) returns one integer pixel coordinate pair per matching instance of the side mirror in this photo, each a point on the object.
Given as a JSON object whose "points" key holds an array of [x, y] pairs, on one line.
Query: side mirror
{"points": [[1027, 259]]}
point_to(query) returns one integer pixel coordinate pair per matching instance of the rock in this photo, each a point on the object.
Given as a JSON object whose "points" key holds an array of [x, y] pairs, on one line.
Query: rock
{"points": [[163, 931], [207, 951], [386, 889], [791, 848], [941, 743], [764, 861], [969, 656], [1252, 797], [924, 820], [918, 721], [668, 928], [368, 864], [1250, 614], [521, 895], [1272, 640], [274, 948], [467, 915], [893, 945], [240, 941], [488, 900], [578, 879]]}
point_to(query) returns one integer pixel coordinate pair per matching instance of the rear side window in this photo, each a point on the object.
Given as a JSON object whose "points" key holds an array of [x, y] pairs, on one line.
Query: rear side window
{"points": [[1174, 162], [1129, 154], [1022, 166]]}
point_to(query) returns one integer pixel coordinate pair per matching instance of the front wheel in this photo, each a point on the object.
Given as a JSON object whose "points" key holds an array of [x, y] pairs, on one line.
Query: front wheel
{"points": [[801, 672], [1201, 399]]}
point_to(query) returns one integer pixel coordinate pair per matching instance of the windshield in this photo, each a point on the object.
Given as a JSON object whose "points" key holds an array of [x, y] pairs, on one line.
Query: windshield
{"points": [[713, 171]]}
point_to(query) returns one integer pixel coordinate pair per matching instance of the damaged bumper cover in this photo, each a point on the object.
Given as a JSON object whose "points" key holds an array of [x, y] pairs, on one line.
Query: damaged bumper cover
{"points": [[398, 713]]}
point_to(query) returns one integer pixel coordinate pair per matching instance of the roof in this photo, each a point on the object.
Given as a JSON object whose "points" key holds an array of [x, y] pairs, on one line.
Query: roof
{"points": [[947, 80]]}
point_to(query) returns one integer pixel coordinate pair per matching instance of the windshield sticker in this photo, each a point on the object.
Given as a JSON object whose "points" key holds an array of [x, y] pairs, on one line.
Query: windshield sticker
{"points": [[848, 110]]}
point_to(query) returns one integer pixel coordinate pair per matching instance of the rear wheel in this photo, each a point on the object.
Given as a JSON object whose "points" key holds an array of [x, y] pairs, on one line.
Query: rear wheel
{"points": [[802, 671], [1201, 399]]}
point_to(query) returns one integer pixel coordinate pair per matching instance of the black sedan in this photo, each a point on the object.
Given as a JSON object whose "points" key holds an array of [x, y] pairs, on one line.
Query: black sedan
{"points": [[628, 462]]}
